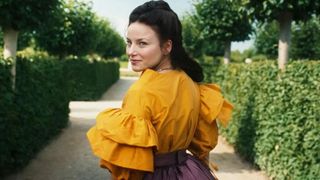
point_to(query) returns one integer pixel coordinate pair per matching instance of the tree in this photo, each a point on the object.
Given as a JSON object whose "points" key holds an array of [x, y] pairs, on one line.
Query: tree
{"points": [[305, 43], [221, 20], [266, 40], [306, 40], [73, 31], [79, 31], [284, 12], [16, 15], [109, 42], [194, 42]]}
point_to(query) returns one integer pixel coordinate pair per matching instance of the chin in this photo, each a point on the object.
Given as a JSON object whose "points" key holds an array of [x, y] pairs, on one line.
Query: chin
{"points": [[137, 69]]}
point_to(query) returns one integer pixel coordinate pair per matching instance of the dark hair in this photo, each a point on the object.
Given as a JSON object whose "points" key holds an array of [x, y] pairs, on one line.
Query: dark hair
{"points": [[161, 18]]}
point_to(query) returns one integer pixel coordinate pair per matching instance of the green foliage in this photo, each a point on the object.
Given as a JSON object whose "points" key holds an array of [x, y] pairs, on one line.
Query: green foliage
{"points": [[276, 119], [212, 62], [194, 42], [266, 41], [269, 10], [1, 37], [284, 12], [6, 112], [24, 39], [89, 80], [305, 43], [259, 57], [73, 31], [109, 42], [38, 109], [221, 20], [21, 14], [78, 31], [238, 57], [306, 40]]}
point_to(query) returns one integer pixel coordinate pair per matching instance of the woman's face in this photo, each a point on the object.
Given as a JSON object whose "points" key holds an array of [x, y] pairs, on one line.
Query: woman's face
{"points": [[143, 47]]}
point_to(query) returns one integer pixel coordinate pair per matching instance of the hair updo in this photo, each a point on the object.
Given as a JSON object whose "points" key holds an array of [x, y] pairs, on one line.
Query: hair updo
{"points": [[165, 22]]}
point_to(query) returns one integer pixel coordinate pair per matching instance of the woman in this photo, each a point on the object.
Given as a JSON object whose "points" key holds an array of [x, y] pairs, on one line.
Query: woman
{"points": [[166, 112]]}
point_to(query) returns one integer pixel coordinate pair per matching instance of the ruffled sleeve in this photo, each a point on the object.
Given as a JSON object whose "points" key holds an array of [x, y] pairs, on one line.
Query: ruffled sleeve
{"points": [[123, 141], [212, 107]]}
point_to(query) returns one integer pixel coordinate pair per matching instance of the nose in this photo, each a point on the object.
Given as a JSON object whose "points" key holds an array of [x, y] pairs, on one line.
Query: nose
{"points": [[131, 50]]}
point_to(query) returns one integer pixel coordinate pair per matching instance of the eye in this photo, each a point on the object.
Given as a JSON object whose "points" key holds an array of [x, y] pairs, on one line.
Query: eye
{"points": [[142, 44]]}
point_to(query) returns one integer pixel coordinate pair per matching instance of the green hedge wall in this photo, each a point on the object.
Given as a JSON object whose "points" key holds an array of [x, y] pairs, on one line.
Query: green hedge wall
{"points": [[6, 112], [276, 122], [38, 108], [90, 79]]}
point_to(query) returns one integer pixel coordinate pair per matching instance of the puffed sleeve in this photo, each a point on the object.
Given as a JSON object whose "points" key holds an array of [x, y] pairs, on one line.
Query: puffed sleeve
{"points": [[213, 108], [124, 140]]}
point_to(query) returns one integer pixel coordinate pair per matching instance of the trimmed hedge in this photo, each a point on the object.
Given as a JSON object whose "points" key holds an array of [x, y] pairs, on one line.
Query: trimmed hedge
{"points": [[276, 122], [90, 79], [38, 109], [6, 113]]}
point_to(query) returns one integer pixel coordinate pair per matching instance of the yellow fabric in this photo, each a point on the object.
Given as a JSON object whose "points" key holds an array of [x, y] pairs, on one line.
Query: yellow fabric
{"points": [[213, 107], [161, 112]]}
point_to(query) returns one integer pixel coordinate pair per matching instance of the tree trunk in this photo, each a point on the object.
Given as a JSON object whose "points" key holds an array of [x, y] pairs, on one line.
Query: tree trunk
{"points": [[227, 52], [284, 20], [10, 38]]}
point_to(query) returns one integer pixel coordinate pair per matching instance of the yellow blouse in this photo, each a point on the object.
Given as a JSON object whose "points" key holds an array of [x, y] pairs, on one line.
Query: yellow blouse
{"points": [[161, 112]]}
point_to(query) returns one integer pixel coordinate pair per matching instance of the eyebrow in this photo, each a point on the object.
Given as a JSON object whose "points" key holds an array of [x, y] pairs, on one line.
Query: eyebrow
{"points": [[140, 39]]}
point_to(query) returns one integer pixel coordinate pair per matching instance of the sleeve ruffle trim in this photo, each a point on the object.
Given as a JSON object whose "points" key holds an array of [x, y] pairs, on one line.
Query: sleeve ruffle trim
{"points": [[213, 105], [123, 140]]}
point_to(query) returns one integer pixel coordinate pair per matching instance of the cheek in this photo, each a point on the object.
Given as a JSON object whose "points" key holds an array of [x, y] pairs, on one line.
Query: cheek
{"points": [[153, 53]]}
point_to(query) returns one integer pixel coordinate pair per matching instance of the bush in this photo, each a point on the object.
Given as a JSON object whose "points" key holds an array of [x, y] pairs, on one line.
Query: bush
{"points": [[276, 120], [38, 108], [89, 80], [36, 111]]}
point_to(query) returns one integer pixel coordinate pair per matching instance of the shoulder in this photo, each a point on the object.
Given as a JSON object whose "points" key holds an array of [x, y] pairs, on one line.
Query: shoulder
{"points": [[151, 80]]}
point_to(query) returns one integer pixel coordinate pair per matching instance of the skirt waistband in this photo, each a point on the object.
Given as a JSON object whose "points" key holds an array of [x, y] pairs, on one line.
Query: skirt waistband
{"points": [[171, 158]]}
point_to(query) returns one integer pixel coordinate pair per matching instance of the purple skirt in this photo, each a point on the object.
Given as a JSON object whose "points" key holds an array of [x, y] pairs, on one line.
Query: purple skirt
{"points": [[178, 165]]}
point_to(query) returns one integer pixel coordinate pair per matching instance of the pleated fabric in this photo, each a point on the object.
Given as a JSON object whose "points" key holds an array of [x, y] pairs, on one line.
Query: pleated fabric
{"points": [[179, 166]]}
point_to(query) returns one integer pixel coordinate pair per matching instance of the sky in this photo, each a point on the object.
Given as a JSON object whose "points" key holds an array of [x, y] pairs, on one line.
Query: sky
{"points": [[117, 12]]}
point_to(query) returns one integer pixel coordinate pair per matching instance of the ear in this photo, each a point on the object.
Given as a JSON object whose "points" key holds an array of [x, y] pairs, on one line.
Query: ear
{"points": [[167, 47]]}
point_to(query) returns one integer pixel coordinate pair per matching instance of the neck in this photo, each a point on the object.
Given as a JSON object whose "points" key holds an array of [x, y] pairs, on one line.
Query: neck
{"points": [[164, 64], [163, 69]]}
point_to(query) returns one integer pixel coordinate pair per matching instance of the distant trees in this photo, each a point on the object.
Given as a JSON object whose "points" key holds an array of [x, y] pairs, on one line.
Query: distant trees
{"points": [[64, 28], [109, 42], [59, 27], [195, 43], [284, 12], [216, 23], [305, 39], [78, 31], [71, 31], [21, 15], [266, 40], [222, 21]]}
